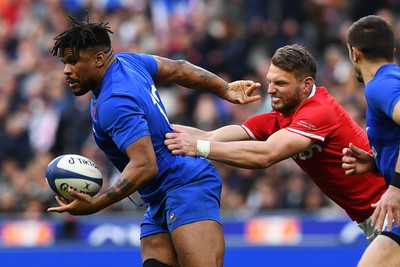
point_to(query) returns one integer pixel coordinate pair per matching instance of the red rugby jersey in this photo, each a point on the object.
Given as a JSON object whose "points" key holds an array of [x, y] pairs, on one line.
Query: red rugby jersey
{"points": [[322, 119]]}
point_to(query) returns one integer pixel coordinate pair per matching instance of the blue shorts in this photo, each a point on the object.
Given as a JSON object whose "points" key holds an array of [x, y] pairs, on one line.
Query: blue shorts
{"points": [[198, 200]]}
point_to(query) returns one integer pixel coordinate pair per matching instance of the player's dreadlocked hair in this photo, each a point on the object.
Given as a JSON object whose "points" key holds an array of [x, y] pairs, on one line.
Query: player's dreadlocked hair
{"points": [[82, 35]]}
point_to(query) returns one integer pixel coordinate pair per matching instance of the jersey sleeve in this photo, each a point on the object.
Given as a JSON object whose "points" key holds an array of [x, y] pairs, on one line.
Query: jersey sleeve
{"points": [[123, 120], [385, 100], [314, 120], [150, 64], [261, 126]]}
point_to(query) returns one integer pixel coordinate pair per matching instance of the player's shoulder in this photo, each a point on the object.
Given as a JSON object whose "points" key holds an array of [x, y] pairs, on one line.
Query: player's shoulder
{"points": [[138, 57], [319, 101]]}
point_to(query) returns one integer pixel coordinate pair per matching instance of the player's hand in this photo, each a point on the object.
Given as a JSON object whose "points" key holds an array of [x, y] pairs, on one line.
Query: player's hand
{"points": [[181, 143], [81, 205], [388, 205], [240, 92], [356, 160]]}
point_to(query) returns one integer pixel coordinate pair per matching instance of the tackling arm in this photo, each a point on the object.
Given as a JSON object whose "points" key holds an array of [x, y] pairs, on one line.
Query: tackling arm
{"points": [[223, 134], [245, 154]]}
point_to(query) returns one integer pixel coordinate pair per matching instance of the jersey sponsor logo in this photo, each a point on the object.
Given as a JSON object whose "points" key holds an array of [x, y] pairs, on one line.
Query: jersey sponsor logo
{"points": [[307, 125], [309, 152]]}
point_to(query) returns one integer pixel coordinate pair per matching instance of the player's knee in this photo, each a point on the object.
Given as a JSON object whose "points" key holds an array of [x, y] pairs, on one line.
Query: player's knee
{"points": [[154, 263]]}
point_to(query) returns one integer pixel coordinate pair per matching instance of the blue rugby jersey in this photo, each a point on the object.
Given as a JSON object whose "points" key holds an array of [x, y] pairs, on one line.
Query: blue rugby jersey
{"points": [[128, 107], [382, 94]]}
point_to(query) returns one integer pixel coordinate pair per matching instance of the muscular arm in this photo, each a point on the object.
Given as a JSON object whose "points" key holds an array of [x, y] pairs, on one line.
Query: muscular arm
{"points": [[259, 155], [223, 134], [245, 154], [141, 168], [191, 76]]}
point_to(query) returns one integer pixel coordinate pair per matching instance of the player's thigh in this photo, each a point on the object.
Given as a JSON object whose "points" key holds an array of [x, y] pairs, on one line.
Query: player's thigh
{"points": [[199, 244], [159, 247], [383, 251]]}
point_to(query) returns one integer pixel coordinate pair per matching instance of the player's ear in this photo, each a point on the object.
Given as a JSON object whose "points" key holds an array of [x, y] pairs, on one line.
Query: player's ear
{"points": [[100, 59], [355, 54], [308, 83]]}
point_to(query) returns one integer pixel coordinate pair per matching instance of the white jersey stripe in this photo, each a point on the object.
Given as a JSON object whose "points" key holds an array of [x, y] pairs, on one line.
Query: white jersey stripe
{"points": [[249, 132], [312, 136]]}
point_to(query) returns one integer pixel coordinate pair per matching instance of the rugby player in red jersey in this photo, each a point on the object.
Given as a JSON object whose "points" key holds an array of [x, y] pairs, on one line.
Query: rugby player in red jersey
{"points": [[306, 124]]}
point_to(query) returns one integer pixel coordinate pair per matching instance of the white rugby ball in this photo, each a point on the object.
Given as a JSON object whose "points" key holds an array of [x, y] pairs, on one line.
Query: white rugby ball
{"points": [[76, 172]]}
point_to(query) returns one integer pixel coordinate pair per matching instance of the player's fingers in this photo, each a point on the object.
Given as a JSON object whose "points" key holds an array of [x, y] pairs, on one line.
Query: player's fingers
{"points": [[347, 152], [57, 209], [251, 87], [349, 172], [250, 99], [177, 152], [389, 220], [381, 220], [396, 218], [77, 195], [176, 149], [355, 149], [61, 201], [375, 214], [348, 165], [169, 142], [170, 135], [60, 209], [179, 128], [176, 142]]}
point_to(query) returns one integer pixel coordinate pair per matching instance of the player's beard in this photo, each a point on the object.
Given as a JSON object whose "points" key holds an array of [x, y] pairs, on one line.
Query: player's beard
{"points": [[85, 87], [290, 103], [358, 73]]}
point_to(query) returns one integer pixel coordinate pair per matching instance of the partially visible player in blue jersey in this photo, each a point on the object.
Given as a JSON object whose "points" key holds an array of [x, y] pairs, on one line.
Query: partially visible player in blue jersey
{"points": [[182, 224], [371, 45]]}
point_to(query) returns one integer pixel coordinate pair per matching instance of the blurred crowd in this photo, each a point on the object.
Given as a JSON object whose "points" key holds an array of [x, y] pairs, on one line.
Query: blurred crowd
{"points": [[41, 119]]}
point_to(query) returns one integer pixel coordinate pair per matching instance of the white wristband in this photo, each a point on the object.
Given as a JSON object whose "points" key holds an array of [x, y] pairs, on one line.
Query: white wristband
{"points": [[203, 148]]}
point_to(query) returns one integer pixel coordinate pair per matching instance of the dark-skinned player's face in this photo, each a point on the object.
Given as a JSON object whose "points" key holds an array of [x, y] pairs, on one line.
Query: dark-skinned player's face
{"points": [[80, 72]]}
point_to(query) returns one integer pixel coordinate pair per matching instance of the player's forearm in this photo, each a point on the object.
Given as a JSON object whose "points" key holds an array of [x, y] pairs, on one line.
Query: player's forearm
{"points": [[195, 77], [128, 182], [223, 134], [248, 155], [228, 133]]}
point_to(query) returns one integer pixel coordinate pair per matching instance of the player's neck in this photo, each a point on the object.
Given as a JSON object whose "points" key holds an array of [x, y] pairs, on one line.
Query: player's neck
{"points": [[369, 69]]}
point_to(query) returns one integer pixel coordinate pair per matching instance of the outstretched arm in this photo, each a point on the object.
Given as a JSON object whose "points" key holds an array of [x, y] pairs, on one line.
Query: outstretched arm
{"points": [[191, 76], [245, 154], [223, 134]]}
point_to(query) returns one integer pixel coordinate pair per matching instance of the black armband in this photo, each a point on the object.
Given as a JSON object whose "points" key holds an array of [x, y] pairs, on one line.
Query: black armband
{"points": [[395, 180]]}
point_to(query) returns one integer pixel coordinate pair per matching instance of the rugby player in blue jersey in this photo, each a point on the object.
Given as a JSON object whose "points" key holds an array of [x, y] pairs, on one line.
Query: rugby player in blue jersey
{"points": [[182, 224], [371, 45]]}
